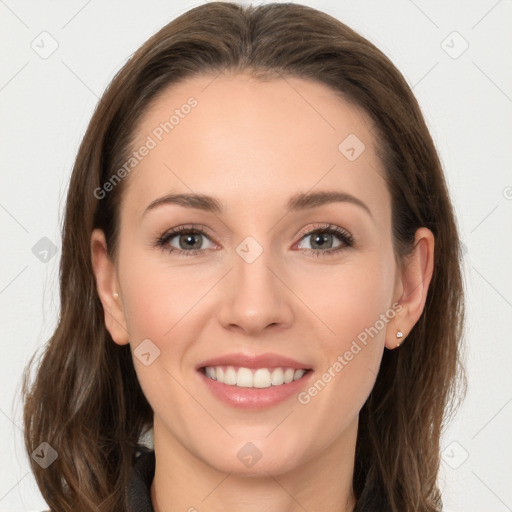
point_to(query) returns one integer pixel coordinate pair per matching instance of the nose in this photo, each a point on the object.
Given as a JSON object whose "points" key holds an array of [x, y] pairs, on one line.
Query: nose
{"points": [[255, 297]]}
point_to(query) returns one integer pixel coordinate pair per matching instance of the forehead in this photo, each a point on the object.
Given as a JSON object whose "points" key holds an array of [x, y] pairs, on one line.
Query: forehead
{"points": [[250, 141]]}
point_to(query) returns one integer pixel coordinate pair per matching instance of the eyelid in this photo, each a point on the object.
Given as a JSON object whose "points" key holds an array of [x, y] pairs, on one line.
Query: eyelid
{"points": [[319, 227], [187, 228]]}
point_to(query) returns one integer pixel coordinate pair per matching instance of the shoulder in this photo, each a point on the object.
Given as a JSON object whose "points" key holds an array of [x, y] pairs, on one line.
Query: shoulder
{"points": [[139, 487]]}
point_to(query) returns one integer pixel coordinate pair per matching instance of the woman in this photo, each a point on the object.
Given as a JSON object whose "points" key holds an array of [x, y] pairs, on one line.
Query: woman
{"points": [[260, 269]]}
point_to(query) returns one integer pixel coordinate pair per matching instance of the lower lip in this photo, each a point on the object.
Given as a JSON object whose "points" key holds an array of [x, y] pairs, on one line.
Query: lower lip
{"points": [[255, 398]]}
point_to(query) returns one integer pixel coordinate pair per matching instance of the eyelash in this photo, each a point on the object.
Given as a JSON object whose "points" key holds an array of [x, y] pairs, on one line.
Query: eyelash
{"points": [[344, 236]]}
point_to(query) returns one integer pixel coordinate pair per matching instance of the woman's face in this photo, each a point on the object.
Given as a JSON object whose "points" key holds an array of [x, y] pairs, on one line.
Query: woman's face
{"points": [[255, 281]]}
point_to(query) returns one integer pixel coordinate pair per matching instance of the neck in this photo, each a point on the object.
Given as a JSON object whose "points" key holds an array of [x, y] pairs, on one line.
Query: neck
{"points": [[182, 481]]}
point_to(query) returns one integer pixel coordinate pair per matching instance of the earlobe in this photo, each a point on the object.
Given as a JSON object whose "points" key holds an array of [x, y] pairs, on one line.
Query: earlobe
{"points": [[107, 287], [399, 335], [414, 281]]}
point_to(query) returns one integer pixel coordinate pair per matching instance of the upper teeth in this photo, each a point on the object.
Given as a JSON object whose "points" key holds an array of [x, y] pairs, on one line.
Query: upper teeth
{"points": [[248, 378]]}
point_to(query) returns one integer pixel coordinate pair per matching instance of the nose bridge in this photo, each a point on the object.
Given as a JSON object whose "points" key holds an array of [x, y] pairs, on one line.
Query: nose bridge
{"points": [[255, 298], [251, 265]]}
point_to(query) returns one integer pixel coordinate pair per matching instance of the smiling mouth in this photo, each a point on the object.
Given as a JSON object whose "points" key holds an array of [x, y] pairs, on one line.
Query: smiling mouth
{"points": [[253, 377]]}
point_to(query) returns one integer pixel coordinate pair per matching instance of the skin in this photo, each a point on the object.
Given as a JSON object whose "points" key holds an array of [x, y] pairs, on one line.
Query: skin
{"points": [[252, 143]]}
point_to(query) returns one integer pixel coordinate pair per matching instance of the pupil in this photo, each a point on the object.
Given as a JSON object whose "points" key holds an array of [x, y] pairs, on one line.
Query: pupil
{"points": [[321, 238], [188, 240]]}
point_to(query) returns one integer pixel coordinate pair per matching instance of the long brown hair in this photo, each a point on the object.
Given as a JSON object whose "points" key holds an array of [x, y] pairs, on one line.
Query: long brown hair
{"points": [[85, 399]]}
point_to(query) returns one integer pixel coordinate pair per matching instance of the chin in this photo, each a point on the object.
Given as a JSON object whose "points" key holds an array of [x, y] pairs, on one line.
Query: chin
{"points": [[252, 462]]}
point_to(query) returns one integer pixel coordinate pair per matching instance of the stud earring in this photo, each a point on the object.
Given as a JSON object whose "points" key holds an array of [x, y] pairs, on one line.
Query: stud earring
{"points": [[399, 335], [116, 295]]}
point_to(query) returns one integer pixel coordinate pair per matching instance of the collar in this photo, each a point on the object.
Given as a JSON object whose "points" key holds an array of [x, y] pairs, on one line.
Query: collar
{"points": [[141, 478]]}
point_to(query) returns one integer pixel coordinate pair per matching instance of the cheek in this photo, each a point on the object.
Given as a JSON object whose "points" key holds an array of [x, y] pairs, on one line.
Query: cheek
{"points": [[350, 297], [355, 309], [157, 297], [160, 303]]}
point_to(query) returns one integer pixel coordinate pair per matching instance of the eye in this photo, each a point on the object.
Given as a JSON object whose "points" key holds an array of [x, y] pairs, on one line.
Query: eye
{"points": [[189, 240], [322, 240]]}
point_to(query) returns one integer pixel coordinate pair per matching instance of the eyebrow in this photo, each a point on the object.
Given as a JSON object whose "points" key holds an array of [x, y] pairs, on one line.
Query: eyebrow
{"points": [[300, 201]]}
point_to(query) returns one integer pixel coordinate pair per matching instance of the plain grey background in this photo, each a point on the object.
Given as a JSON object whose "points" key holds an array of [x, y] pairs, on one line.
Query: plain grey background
{"points": [[55, 62]]}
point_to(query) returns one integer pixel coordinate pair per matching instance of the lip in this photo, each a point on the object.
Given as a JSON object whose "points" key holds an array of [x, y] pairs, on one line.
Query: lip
{"points": [[254, 398], [253, 361]]}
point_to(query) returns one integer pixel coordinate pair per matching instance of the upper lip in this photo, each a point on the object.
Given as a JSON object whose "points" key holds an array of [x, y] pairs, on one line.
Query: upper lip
{"points": [[267, 360]]}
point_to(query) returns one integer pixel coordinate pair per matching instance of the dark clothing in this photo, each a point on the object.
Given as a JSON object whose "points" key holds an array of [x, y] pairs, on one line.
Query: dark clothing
{"points": [[143, 471]]}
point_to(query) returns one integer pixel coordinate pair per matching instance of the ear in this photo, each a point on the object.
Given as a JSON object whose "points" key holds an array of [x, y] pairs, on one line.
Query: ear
{"points": [[107, 286], [412, 286]]}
